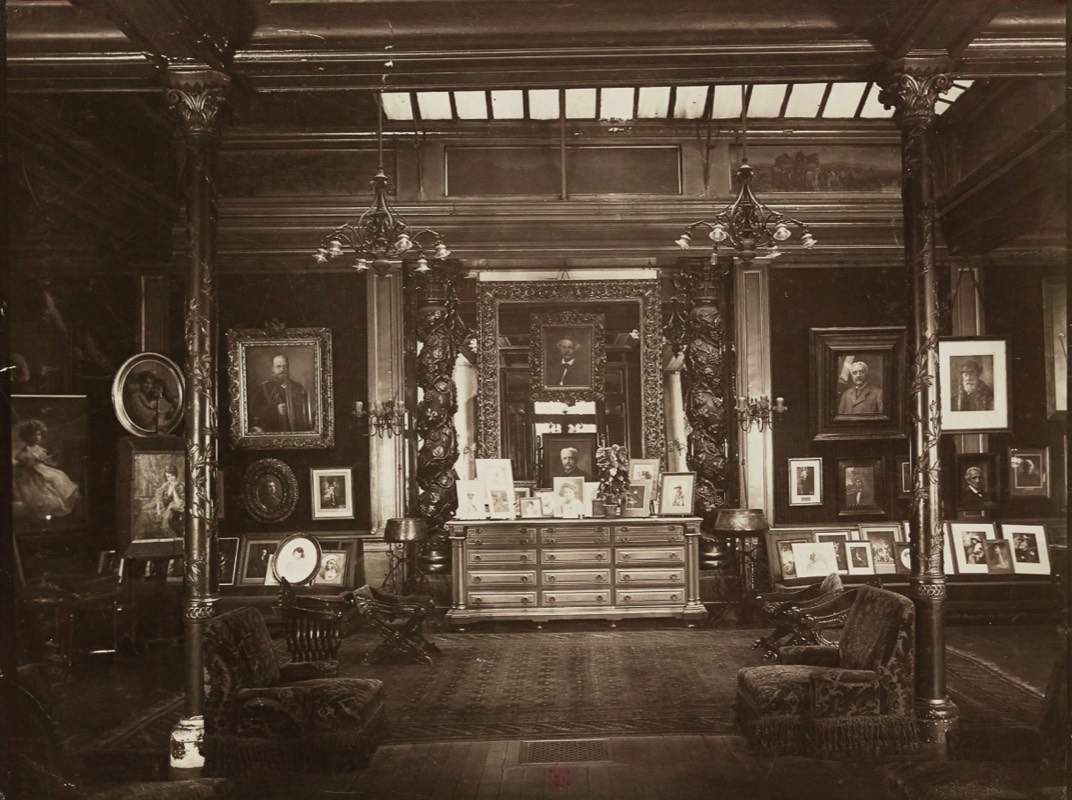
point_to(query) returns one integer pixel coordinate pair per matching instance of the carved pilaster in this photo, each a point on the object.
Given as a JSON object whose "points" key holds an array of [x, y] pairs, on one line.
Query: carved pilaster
{"points": [[912, 89]]}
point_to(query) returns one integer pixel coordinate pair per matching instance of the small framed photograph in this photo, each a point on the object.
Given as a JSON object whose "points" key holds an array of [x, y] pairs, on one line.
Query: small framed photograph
{"points": [[547, 501], [297, 559], [472, 500], [967, 541], [838, 539], [257, 559], [531, 508], [1030, 554], [569, 498], [998, 556], [858, 383], [644, 469], [333, 493], [152, 489], [638, 500], [780, 552], [814, 559], [591, 496], [882, 539], [228, 560], [269, 490], [147, 395], [978, 481], [903, 554], [49, 455], [974, 381], [567, 358], [805, 481], [860, 560], [861, 487], [332, 572], [497, 475], [904, 472], [676, 494], [1029, 472], [520, 492], [1055, 326], [568, 455], [349, 548]]}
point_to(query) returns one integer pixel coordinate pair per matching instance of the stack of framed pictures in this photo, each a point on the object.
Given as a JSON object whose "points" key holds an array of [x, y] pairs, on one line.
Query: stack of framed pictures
{"points": [[879, 549], [977, 549], [255, 564]]}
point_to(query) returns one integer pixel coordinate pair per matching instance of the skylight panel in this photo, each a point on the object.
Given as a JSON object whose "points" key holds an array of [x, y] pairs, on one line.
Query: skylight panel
{"points": [[616, 103], [766, 101], [872, 107], [804, 100], [580, 104], [471, 105], [434, 105], [396, 106], [843, 101], [507, 104], [543, 103], [653, 103], [690, 102], [727, 103]]}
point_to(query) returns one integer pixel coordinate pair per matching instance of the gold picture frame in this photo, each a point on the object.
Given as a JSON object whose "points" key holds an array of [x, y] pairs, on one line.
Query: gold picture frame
{"points": [[567, 356]]}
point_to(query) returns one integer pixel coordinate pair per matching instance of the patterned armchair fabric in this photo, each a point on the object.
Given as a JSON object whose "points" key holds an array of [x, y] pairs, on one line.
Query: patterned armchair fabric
{"points": [[298, 716], [847, 701]]}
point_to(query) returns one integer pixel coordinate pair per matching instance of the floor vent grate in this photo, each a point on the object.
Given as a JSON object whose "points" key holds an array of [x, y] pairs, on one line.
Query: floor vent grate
{"points": [[563, 751]]}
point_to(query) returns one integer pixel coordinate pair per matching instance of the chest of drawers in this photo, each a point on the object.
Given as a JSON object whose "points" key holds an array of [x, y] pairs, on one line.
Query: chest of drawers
{"points": [[545, 569]]}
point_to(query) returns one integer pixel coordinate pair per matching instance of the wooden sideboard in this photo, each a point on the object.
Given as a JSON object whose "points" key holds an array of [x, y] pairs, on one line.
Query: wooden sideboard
{"points": [[543, 569]]}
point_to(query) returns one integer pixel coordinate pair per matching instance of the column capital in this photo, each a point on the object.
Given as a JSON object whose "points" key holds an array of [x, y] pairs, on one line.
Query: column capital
{"points": [[910, 86], [196, 97]]}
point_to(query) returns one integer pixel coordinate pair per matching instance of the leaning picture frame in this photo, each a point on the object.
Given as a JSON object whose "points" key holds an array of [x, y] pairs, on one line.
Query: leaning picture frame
{"points": [[967, 542], [1030, 550], [677, 494], [1029, 472], [860, 558], [858, 383], [472, 499], [349, 545], [1055, 344], [297, 559], [227, 562], [281, 394], [150, 489], [497, 475], [883, 540], [780, 552], [567, 356], [638, 498], [257, 555], [147, 395], [973, 374], [332, 493], [805, 481]]}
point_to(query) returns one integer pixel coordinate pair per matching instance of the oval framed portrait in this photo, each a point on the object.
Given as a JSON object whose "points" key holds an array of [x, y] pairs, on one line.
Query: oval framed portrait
{"points": [[269, 490], [147, 395], [297, 559]]}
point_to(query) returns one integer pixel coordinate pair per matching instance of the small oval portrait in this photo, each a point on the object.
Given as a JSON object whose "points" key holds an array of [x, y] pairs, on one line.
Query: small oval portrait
{"points": [[297, 559], [269, 490], [147, 395]]}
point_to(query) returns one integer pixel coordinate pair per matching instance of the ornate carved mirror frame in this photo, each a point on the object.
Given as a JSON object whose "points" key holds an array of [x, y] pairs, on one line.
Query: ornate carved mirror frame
{"points": [[492, 298]]}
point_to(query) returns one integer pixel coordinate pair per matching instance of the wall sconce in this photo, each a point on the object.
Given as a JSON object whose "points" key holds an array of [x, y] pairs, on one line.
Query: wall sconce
{"points": [[386, 418], [757, 411]]}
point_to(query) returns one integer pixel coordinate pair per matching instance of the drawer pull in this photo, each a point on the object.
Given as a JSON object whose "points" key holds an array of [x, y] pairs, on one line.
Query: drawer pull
{"points": [[478, 542], [477, 601], [625, 556], [476, 558], [551, 600], [628, 598], [674, 556], [599, 598], [550, 556], [599, 556], [524, 578], [550, 578], [674, 576], [625, 578], [551, 540], [477, 579], [674, 597], [525, 601], [600, 578], [524, 557]]}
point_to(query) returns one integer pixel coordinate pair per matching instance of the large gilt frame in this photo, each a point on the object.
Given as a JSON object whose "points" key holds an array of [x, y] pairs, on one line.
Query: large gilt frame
{"points": [[492, 296]]}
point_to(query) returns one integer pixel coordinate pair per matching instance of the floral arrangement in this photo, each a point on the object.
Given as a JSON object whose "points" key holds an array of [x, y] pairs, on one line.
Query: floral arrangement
{"points": [[613, 465]]}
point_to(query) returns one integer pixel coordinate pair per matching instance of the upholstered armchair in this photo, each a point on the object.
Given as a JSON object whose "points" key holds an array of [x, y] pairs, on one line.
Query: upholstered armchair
{"points": [[260, 715], [846, 701]]}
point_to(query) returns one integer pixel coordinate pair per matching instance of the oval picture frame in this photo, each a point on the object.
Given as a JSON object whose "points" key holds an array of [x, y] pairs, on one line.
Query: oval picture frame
{"points": [[148, 394], [297, 559], [269, 490]]}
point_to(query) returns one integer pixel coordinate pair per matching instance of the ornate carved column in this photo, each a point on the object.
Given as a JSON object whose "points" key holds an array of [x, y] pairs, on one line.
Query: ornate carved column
{"points": [[911, 90], [196, 98]]}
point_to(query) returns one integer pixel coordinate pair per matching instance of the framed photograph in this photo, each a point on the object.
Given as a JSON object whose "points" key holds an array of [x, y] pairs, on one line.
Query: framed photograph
{"points": [[147, 395], [860, 560], [297, 559], [805, 481], [1055, 326], [860, 487], [567, 358], [814, 559], [903, 554], [151, 489], [967, 541], [332, 572], [547, 500], [638, 500], [838, 540], [569, 498], [977, 481], [780, 552], [228, 561], [257, 555], [1030, 554], [1029, 472], [858, 383], [521, 490], [568, 455], [973, 377], [676, 494], [497, 475], [883, 539], [281, 388], [269, 490], [49, 453], [531, 508], [998, 556], [333, 493], [472, 500], [904, 473], [644, 469], [591, 495]]}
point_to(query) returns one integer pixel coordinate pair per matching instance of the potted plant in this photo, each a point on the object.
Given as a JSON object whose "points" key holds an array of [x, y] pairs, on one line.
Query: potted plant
{"points": [[613, 465]]}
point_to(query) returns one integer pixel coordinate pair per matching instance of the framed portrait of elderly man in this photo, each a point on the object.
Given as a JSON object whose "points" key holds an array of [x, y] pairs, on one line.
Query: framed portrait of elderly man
{"points": [[974, 384], [1029, 472], [977, 479], [280, 388], [567, 357], [858, 383]]}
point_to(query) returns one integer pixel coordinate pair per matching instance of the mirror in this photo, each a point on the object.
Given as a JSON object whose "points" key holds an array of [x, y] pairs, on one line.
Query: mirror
{"points": [[524, 391]]}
